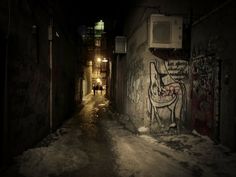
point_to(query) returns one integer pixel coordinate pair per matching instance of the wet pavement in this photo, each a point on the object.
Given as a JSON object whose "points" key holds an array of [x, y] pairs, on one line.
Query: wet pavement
{"points": [[80, 147], [94, 143]]}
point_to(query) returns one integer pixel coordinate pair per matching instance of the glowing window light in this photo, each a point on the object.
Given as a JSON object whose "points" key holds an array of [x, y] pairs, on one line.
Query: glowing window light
{"points": [[99, 25]]}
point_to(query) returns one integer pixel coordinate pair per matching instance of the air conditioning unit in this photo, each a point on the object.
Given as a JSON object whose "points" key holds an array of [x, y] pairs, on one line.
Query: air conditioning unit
{"points": [[165, 31]]}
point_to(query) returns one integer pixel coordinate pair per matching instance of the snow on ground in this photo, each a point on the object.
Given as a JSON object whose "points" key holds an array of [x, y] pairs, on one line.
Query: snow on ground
{"points": [[58, 157], [136, 154], [51, 160], [167, 156], [62, 152], [204, 151], [140, 156]]}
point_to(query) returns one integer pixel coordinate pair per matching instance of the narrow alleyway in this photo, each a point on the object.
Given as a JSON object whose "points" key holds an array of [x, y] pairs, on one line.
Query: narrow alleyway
{"points": [[80, 147], [93, 144], [94, 139]]}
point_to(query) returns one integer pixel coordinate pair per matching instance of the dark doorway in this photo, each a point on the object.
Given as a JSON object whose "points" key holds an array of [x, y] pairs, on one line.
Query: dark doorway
{"points": [[205, 95]]}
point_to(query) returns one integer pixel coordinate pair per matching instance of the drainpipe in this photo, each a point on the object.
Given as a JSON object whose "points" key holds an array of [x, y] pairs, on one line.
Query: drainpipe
{"points": [[50, 36], [117, 82], [219, 100]]}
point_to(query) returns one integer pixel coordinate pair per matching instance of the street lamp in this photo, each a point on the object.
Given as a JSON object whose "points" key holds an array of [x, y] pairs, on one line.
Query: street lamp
{"points": [[99, 59], [104, 60]]}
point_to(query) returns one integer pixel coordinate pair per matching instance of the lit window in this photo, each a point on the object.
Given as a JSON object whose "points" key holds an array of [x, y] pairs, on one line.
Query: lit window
{"points": [[99, 25], [98, 43]]}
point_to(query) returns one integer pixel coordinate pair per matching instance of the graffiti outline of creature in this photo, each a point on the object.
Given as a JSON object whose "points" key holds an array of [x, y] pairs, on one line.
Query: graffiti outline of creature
{"points": [[164, 95]]}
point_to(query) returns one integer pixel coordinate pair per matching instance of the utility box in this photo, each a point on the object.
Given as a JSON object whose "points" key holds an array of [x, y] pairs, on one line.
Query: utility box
{"points": [[165, 31]]}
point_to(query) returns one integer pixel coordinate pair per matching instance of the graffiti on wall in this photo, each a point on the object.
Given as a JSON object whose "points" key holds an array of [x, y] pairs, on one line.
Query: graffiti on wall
{"points": [[203, 88], [177, 69], [167, 93], [134, 89]]}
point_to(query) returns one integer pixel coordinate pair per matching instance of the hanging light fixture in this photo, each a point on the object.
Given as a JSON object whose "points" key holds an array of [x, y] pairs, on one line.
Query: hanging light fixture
{"points": [[104, 60]]}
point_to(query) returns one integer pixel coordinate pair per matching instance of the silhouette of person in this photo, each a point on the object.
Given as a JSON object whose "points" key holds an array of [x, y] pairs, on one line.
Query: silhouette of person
{"points": [[94, 89], [101, 88]]}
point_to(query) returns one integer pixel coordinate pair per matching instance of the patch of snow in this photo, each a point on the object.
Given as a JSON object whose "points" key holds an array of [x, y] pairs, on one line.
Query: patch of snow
{"points": [[141, 156], [149, 138], [58, 153], [102, 104], [46, 161], [52, 160], [136, 155], [143, 129], [194, 132], [167, 156]]}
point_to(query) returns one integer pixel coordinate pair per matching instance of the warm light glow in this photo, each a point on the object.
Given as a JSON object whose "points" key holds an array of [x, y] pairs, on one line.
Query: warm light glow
{"points": [[99, 80], [99, 59], [104, 60]]}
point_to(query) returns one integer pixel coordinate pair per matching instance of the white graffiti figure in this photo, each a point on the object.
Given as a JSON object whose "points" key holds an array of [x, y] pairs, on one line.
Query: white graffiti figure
{"points": [[164, 92]]}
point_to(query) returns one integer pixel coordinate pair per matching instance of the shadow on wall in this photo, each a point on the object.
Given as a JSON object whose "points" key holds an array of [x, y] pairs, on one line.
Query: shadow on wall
{"points": [[2, 75]]}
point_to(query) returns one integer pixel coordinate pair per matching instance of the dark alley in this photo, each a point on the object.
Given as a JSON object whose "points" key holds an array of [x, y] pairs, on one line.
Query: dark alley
{"points": [[137, 88], [94, 143]]}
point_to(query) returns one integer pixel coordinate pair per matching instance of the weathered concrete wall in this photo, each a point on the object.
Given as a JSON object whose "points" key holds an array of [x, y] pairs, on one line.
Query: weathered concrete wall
{"points": [[215, 35], [137, 77], [87, 80], [28, 73], [149, 91], [156, 93]]}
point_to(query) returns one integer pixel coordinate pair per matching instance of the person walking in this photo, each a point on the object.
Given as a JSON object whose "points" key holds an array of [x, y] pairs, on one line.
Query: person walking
{"points": [[94, 89], [101, 88]]}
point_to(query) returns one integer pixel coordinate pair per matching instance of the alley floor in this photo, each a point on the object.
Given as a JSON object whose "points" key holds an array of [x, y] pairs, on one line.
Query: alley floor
{"points": [[93, 143]]}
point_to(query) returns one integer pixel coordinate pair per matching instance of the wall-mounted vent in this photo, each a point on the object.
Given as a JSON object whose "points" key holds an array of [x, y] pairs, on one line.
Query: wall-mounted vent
{"points": [[165, 31], [120, 44]]}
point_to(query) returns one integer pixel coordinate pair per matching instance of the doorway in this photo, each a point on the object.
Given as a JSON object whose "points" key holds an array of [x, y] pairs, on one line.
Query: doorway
{"points": [[205, 96]]}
